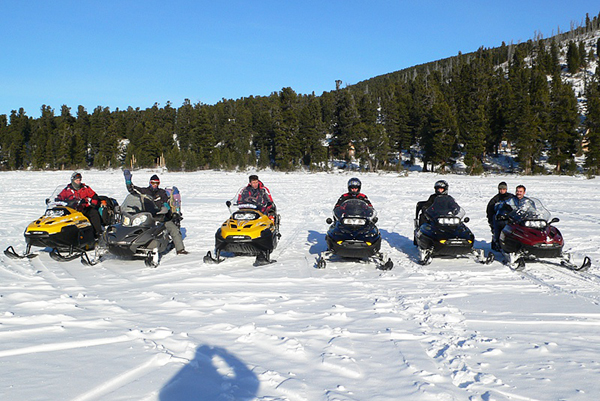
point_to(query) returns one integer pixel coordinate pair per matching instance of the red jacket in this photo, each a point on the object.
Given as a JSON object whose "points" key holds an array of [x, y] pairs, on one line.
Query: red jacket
{"points": [[261, 197], [350, 195], [86, 194]]}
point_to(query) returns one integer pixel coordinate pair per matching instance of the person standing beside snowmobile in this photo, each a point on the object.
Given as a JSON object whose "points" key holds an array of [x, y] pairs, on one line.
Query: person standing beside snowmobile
{"points": [[493, 206], [354, 186], [83, 198], [255, 193], [161, 199]]}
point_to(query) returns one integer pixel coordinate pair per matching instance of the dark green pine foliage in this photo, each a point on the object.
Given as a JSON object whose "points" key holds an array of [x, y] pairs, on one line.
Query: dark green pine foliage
{"points": [[564, 121], [371, 141], [524, 125], [345, 119], [67, 141], [395, 105], [540, 101], [311, 134], [573, 58], [15, 140], [439, 130], [471, 94], [440, 135], [43, 148], [592, 125], [500, 98], [582, 56], [202, 141], [286, 149]]}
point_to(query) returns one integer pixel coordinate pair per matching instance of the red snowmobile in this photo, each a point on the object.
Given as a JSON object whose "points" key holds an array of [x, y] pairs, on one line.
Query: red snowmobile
{"points": [[530, 235]]}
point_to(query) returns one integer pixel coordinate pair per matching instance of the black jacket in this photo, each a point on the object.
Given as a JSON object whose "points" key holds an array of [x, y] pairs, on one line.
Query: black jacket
{"points": [[158, 195], [490, 211]]}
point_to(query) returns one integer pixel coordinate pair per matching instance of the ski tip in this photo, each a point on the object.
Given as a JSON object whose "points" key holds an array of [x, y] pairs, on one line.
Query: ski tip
{"points": [[587, 263], [389, 265]]}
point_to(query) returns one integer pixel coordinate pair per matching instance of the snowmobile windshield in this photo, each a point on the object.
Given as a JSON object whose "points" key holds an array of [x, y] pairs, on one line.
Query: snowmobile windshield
{"points": [[247, 198], [529, 209], [444, 206], [354, 211], [134, 204], [54, 199]]}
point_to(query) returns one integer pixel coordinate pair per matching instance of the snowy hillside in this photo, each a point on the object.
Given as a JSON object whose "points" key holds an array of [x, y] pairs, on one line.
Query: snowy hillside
{"points": [[453, 330]]}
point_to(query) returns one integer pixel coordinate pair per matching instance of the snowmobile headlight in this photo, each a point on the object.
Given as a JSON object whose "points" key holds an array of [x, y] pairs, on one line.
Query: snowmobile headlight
{"points": [[245, 216], [126, 221], [354, 222], [539, 224], [449, 221], [138, 221], [55, 212]]}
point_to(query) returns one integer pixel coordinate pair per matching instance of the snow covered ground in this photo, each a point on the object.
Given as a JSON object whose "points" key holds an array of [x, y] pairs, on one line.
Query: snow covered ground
{"points": [[453, 330]]}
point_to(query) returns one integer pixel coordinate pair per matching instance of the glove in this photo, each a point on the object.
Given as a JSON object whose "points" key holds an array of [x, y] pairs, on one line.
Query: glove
{"points": [[127, 174], [176, 218]]}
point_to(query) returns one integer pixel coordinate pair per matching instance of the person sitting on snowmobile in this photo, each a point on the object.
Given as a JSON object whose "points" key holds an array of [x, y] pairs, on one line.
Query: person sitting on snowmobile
{"points": [[161, 200], [83, 198], [440, 188], [520, 206], [255, 193], [497, 225], [354, 186]]}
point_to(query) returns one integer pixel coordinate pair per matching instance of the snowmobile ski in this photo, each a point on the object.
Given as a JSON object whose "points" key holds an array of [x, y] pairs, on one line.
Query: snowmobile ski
{"points": [[262, 259], [378, 259], [59, 257], [518, 263], [208, 258], [11, 253]]}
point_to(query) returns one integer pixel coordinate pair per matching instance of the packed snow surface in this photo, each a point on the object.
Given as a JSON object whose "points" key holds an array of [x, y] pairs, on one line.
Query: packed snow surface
{"points": [[452, 330]]}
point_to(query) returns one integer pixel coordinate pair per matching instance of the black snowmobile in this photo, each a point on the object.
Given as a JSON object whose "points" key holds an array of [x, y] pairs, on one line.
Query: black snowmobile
{"points": [[64, 229], [444, 233], [139, 233], [353, 234], [530, 235]]}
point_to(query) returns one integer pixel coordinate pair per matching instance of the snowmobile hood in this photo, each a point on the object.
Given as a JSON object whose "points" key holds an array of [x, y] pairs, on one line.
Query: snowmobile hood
{"points": [[247, 222], [56, 218]]}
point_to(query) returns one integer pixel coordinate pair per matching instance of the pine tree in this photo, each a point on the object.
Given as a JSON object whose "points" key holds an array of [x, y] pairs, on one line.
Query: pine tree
{"points": [[439, 135], [564, 123], [573, 58], [592, 125], [345, 119]]}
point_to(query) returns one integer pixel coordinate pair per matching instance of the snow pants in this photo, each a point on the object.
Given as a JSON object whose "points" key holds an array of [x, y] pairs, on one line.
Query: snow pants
{"points": [[175, 234]]}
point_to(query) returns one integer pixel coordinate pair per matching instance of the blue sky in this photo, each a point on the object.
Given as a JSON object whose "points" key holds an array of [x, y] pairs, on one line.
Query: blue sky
{"points": [[136, 53]]}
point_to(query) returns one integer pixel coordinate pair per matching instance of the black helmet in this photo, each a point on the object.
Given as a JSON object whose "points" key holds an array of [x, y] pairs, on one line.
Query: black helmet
{"points": [[354, 183], [441, 184]]}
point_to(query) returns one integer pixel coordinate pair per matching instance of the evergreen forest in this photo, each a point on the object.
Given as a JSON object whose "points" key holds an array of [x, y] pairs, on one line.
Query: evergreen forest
{"points": [[467, 108]]}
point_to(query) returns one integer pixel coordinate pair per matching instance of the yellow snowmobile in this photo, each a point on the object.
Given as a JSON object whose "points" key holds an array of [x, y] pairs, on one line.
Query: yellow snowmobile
{"points": [[248, 232], [63, 229]]}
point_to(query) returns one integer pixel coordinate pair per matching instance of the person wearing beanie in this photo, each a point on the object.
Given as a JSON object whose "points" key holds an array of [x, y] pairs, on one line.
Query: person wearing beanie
{"points": [[83, 198], [496, 226], [257, 194], [160, 199]]}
